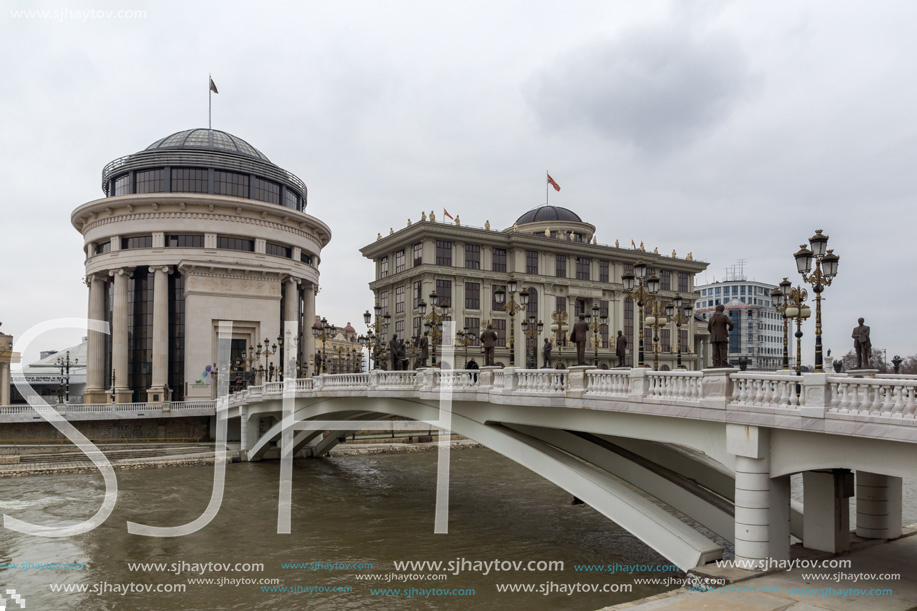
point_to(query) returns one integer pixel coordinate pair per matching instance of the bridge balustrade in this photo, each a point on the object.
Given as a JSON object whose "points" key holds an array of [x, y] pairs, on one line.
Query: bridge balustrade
{"points": [[675, 385], [880, 397], [767, 390]]}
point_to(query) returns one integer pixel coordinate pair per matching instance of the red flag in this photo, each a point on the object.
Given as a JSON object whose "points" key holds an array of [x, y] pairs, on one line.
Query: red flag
{"points": [[632, 244], [213, 86], [553, 184], [446, 213]]}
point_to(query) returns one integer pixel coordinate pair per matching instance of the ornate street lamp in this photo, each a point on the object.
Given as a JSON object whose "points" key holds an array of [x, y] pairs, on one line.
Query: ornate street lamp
{"points": [[434, 320], [825, 271], [643, 289], [532, 329], [376, 332], [679, 313], [465, 338], [558, 326], [322, 331], [797, 310], [64, 364], [596, 323], [656, 319], [510, 307], [780, 297]]}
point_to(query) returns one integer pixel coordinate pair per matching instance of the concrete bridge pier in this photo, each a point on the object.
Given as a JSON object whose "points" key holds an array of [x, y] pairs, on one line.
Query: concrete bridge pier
{"points": [[826, 514], [762, 503], [878, 506]]}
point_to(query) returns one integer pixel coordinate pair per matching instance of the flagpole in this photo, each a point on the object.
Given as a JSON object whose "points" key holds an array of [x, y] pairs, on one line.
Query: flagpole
{"points": [[209, 100], [547, 193]]}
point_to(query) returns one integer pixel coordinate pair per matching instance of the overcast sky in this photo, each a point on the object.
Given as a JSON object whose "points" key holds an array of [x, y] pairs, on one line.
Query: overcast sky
{"points": [[732, 130]]}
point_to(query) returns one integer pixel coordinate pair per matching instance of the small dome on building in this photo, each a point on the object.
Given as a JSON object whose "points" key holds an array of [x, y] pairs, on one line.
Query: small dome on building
{"points": [[349, 330], [548, 213], [201, 139]]}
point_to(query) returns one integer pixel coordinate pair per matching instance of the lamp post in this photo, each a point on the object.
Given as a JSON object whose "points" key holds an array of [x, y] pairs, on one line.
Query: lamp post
{"points": [[780, 297], [656, 319], [825, 271], [558, 326], [596, 322], [267, 351], [511, 307], [643, 289], [64, 364], [679, 313], [433, 320], [532, 329], [376, 332], [322, 331], [797, 310], [465, 338]]}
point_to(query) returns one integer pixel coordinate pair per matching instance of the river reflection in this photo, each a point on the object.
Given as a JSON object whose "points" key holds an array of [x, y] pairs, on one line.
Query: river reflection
{"points": [[358, 509]]}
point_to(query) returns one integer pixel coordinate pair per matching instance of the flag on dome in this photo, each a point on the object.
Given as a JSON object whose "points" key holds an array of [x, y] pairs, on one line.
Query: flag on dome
{"points": [[213, 86], [553, 183]]}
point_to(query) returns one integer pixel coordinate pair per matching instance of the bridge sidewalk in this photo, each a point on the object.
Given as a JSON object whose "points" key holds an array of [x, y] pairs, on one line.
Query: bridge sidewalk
{"points": [[791, 591]]}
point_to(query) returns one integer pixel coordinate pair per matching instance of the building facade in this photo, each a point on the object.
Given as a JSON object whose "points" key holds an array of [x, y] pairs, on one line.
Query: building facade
{"points": [[199, 227], [551, 253], [758, 332], [7, 356]]}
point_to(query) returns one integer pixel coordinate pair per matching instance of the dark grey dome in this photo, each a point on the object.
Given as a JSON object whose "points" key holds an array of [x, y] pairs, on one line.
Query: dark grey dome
{"points": [[208, 140], [548, 213]]}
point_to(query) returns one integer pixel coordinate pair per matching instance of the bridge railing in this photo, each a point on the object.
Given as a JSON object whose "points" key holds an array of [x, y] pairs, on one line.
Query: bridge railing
{"points": [[608, 382], [767, 390], [880, 397], [539, 381], [455, 378], [675, 385]]}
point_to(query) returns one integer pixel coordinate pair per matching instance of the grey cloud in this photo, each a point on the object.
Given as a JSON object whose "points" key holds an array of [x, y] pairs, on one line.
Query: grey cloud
{"points": [[655, 89]]}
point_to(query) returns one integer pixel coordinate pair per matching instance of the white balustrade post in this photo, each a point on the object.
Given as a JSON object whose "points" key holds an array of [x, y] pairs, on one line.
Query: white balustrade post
{"points": [[762, 503], [509, 380], [716, 388], [639, 384], [485, 379], [815, 395], [878, 506], [576, 382]]}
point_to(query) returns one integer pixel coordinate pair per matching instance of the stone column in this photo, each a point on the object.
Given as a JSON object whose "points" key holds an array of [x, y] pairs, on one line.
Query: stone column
{"points": [[119, 343], [826, 514], [878, 506], [308, 319], [160, 377], [290, 315], [762, 503], [4, 383], [95, 343]]}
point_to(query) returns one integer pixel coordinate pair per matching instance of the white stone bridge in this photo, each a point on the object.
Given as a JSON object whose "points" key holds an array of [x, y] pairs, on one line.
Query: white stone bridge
{"points": [[717, 446]]}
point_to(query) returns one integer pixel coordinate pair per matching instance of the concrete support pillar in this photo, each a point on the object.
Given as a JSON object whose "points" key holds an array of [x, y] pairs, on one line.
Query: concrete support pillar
{"points": [[119, 343], [826, 517], [95, 344], [762, 503], [160, 378], [878, 506], [308, 319]]}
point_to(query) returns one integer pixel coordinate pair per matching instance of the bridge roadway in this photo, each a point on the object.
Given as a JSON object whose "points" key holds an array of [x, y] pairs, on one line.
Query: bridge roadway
{"points": [[718, 446]]}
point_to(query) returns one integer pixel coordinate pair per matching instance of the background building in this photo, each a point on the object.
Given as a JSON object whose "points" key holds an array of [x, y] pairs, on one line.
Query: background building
{"points": [[551, 252], [197, 228], [47, 379], [7, 356], [758, 331]]}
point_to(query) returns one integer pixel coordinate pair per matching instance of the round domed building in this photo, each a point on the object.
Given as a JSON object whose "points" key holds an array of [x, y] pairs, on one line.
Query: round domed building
{"points": [[199, 227]]}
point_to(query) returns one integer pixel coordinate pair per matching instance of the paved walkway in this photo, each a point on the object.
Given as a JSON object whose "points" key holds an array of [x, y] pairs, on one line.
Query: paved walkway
{"points": [[791, 591]]}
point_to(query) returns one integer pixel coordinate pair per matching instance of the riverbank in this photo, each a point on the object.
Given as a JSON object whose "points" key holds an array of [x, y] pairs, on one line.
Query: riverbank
{"points": [[79, 463]]}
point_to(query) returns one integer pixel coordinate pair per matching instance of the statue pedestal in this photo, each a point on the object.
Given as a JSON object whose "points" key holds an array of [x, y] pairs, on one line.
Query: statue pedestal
{"points": [[576, 381], [862, 373]]}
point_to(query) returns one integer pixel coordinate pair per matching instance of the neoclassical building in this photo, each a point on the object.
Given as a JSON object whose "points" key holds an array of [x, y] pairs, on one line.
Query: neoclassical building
{"points": [[551, 253], [197, 228]]}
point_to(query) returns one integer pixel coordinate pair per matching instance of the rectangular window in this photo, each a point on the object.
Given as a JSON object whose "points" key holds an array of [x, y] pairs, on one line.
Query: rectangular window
{"points": [[228, 243], [418, 288], [416, 327], [383, 302], [444, 290], [307, 259], [665, 279], [277, 250], [150, 181], [103, 247], [560, 304], [266, 191], [444, 253], [603, 329], [682, 282], [582, 268], [399, 300], [603, 271], [665, 340], [629, 329], [561, 266], [123, 184], [230, 183], [473, 325], [472, 256], [683, 334], [472, 296], [531, 262], [418, 254], [184, 241], [291, 200], [399, 261], [189, 180], [579, 309], [499, 263], [494, 306], [140, 241], [399, 329], [500, 328], [383, 267]]}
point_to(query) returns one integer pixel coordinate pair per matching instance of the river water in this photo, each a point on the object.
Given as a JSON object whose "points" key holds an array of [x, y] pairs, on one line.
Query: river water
{"points": [[373, 510]]}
